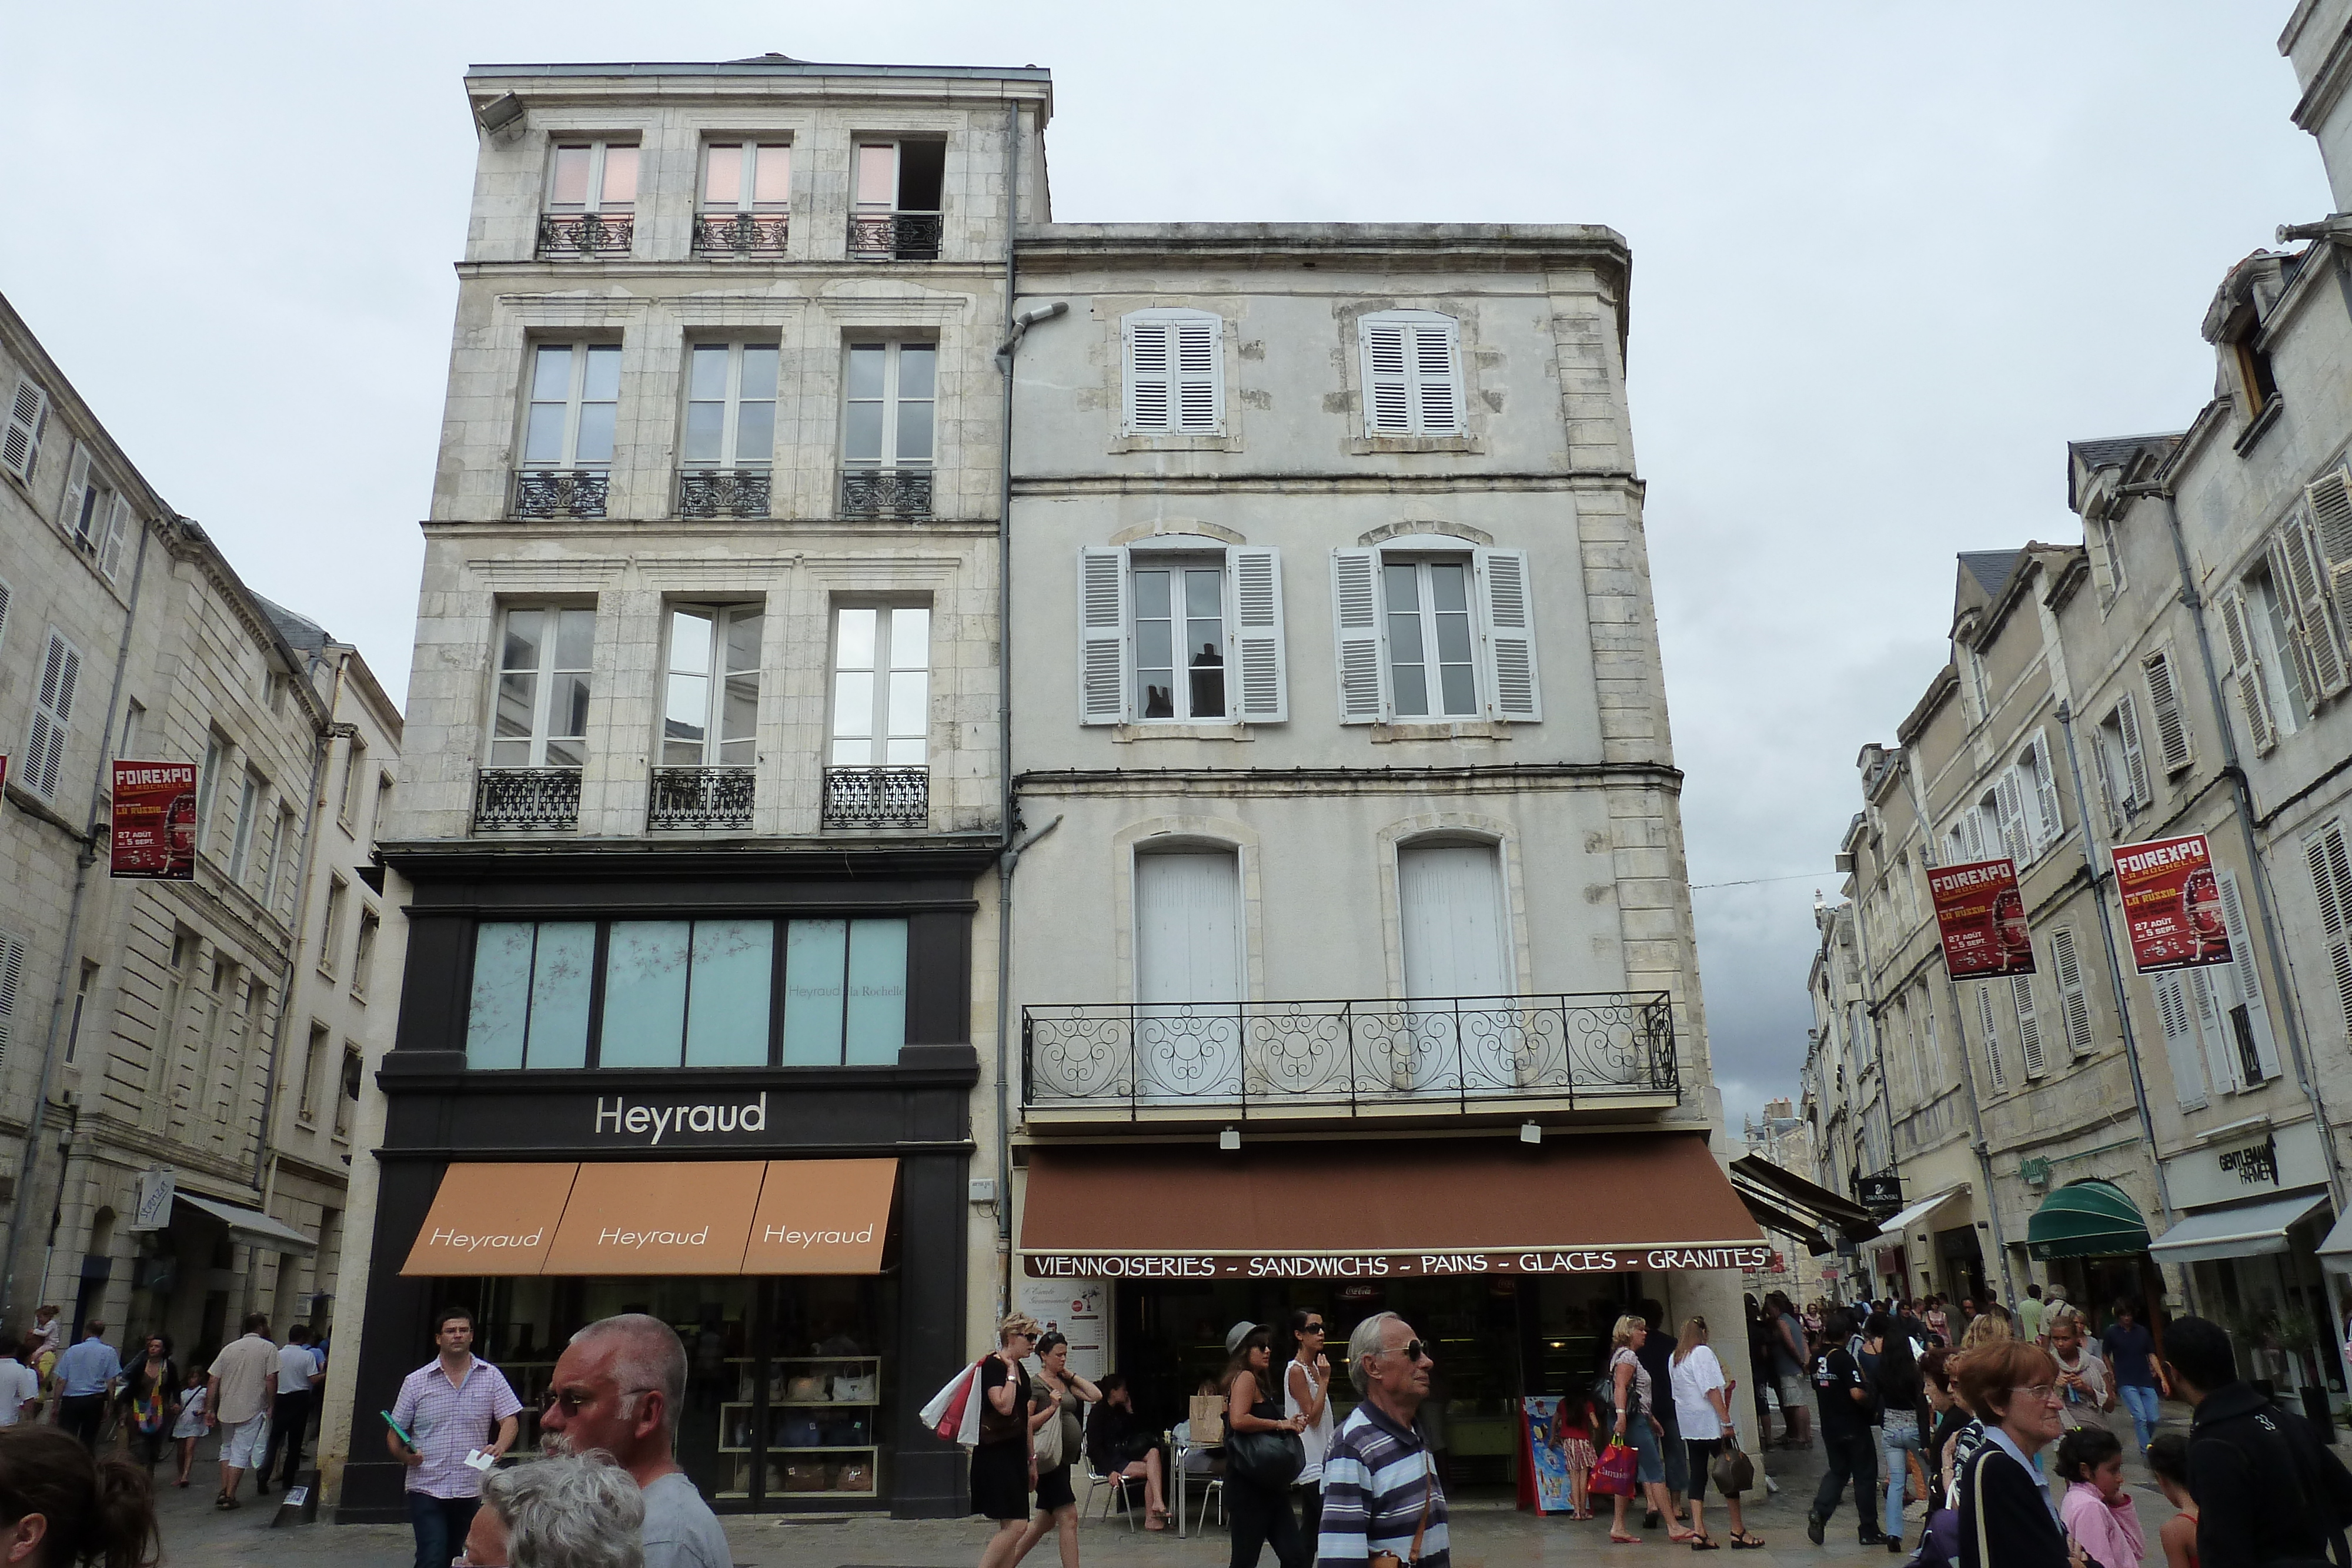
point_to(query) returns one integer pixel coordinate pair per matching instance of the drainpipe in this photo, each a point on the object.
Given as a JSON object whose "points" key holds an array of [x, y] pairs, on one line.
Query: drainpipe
{"points": [[2243, 808], [69, 962], [264, 1157]]}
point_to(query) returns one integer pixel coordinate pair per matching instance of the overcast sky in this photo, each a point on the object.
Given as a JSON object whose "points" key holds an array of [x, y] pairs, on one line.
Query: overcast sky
{"points": [[1887, 260]]}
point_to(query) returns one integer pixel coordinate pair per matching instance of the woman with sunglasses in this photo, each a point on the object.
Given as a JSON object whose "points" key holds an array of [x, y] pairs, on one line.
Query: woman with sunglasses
{"points": [[1261, 1514], [1003, 1464], [1306, 1393], [2006, 1514]]}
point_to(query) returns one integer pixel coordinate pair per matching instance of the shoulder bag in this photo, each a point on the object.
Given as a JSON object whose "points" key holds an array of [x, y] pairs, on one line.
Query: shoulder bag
{"points": [[1268, 1460], [1047, 1439]]}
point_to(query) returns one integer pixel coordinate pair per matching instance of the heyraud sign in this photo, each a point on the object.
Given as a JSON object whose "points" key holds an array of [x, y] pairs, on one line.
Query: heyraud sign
{"points": [[623, 1118], [1387, 1265]]}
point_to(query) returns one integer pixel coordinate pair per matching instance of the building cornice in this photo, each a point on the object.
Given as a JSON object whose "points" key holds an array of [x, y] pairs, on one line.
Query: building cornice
{"points": [[727, 859], [1343, 483], [1503, 778]]}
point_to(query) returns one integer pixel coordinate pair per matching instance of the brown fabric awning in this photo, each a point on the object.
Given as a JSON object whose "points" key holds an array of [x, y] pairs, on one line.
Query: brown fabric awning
{"points": [[1600, 1204], [665, 1218]]}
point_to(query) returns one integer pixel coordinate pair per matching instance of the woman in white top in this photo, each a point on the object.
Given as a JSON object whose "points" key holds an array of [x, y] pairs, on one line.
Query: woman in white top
{"points": [[1306, 1391], [1703, 1411]]}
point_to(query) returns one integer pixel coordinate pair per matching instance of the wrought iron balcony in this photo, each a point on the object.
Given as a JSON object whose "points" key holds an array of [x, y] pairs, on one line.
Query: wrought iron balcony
{"points": [[586, 236], [745, 236], [1138, 1060], [723, 493], [699, 798], [877, 798], [895, 237], [526, 799], [561, 492], [886, 492]]}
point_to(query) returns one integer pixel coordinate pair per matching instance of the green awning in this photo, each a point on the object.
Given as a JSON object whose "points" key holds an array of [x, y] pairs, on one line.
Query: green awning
{"points": [[2086, 1220]]}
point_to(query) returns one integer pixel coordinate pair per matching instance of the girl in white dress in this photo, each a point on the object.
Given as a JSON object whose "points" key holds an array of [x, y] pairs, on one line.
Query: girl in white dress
{"points": [[191, 1425], [1306, 1391]]}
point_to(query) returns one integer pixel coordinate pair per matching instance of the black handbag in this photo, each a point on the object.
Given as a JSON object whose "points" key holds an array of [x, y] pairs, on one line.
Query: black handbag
{"points": [[1268, 1460]]}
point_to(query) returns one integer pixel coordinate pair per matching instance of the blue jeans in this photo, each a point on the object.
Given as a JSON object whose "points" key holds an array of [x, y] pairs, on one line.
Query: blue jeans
{"points": [[2141, 1401], [441, 1523], [1649, 1462], [1901, 1438]]}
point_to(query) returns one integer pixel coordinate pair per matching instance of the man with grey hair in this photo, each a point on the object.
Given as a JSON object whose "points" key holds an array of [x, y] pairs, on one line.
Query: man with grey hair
{"points": [[1380, 1493], [574, 1512], [619, 1387]]}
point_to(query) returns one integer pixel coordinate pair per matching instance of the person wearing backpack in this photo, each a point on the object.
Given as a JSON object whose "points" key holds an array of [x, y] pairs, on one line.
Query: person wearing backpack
{"points": [[2269, 1493], [1847, 1407]]}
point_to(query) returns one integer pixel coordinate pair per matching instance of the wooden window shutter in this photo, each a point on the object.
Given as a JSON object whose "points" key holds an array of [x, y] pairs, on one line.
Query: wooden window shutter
{"points": [[20, 440], [2143, 793], [1258, 648], [2315, 607], [2073, 996], [1437, 378], [1990, 1028], [2221, 1044], [45, 751], [2330, 499], [2049, 821], [2164, 708], [77, 481], [1103, 657], [2008, 806], [2331, 881], [2180, 1048], [2245, 976], [117, 529], [12, 987], [2029, 1024], [2254, 693], [1199, 391], [1151, 376], [6, 595], [1388, 388], [1356, 623], [1510, 631]]}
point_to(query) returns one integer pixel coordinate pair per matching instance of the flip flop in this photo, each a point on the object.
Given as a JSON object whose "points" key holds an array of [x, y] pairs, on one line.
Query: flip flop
{"points": [[1743, 1542], [1703, 1543], [1617, 1539]]}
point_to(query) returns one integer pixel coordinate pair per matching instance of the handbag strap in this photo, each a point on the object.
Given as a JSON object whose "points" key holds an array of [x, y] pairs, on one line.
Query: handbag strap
{"points": [[1428, 1492]]}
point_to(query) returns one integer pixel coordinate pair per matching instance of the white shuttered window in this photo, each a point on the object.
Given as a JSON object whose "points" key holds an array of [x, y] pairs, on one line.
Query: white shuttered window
{"points": [[2253, 690], [1412, 373], [1434, 637], [1989, 1026], [53, 702], [2182, 1050], [2331, 881], [2073, 996], [2164, 709], [1188, 635], [20, 438], [2299, 578], [1174, 374], [2029, 1024], [12, 989]]}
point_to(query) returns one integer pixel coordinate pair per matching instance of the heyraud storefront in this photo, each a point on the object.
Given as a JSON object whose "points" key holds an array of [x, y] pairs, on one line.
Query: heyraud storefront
{"points": [[751, 1120]]}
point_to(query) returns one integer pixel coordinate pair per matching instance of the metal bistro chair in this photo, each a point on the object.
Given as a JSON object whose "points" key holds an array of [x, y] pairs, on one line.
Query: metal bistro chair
{"points": [[1203, 1462], [1110, 1487]]}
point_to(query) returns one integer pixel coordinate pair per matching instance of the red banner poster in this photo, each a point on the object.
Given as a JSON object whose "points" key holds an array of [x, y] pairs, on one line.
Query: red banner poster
{"points": [[154, 823], [1982, 919], [2172, 904]]}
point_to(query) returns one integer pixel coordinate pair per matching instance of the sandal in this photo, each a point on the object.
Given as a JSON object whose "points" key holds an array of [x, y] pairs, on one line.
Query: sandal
{"points": [[1703, 1543], [1743, 1542], [1617, 1539]]}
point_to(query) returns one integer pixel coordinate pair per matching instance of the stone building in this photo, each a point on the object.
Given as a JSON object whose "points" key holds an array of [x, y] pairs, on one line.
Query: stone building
{"points": [[143, 1023]]}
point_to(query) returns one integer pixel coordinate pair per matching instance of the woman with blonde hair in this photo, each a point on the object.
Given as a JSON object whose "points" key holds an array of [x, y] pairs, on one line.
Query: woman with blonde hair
{"points": [[1703, 1411], [1629, 1399], [1003, 1465]]}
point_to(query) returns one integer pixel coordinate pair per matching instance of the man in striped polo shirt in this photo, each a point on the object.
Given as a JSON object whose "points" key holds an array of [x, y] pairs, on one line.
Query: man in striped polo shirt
{"points": [[1379, 1475]]}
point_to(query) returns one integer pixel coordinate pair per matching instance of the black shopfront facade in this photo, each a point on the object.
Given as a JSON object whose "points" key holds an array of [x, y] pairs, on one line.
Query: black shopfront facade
{"points": [[722, 1037]]}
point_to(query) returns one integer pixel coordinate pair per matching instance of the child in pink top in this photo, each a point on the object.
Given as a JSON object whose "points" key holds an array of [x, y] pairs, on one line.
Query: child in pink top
{"points": [[2097, 1512]]}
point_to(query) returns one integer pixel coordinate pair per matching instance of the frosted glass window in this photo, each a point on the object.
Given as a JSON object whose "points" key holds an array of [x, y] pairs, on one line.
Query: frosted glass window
{"points": [[726, 188], [607, 168], [727, 1014], [815, 968], [561, 974], [645, 994], [877, 1004], [501, 1001]]}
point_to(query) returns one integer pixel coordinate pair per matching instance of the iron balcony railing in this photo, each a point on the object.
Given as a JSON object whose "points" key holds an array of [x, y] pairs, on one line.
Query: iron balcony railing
{"points": [[699, 798], [586, 236], [526, 799], [561, 492], [894, 236], [723, 493], [886, 492], [878, 797], [1351, 1057], [744, 237]]}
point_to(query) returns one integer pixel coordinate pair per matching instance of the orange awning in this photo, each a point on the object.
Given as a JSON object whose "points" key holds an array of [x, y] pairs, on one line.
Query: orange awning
{"points": [[666, 1218], [1604, 1203]]}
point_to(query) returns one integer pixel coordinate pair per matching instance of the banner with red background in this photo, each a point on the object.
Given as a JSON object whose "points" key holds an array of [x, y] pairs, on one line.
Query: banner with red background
{"points": [[155, 821], [2172, 904], [1982, 919]]}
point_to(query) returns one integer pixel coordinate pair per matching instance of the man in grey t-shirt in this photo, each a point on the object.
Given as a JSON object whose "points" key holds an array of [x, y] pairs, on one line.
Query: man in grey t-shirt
{"points": [[619, 1387]]}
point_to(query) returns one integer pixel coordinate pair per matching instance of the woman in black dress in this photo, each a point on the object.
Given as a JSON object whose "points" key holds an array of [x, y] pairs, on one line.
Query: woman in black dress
{"points": [[1061, 1391], [1261, 1515], [1002, 1467]]}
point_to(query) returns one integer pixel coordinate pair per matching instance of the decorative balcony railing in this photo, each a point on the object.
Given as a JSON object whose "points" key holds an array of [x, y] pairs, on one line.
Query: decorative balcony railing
{"points": [[1128, 1059], [894, 236], [586, 236], [886, 492], [723, 493], [526, 799], [699, 798], [877, 798], [741, 237], [561, 492]]}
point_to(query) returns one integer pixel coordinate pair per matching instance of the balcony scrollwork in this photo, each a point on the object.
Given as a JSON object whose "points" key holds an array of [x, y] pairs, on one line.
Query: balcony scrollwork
{"points": [[561, 492], [526, 799], [699, 798], [878, 797], [586, 236], [1347, 1058], [895, 237], [742, 236], [723, 493], [886, 492]]}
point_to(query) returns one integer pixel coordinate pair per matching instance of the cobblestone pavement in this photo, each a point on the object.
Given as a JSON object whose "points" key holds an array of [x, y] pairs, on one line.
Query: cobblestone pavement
{"points": [[1487, 1533]]}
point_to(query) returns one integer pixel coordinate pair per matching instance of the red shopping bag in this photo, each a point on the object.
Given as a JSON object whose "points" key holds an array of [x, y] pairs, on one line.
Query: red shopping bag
{"points": [[1612, 1475]]}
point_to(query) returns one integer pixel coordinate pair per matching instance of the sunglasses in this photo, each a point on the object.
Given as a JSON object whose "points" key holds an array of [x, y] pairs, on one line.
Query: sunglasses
{"points": [[575, 1400], [1312, 1328], [1412, 1350]]}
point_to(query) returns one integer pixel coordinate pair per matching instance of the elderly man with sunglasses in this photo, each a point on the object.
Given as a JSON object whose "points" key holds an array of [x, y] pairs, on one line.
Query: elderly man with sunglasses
{"points": [[619, 1387], [448, 1406], [1380, 1493]]}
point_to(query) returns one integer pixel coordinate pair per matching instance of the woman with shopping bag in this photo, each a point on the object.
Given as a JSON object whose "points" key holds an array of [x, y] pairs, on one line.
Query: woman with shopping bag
{"points": [[1003, 1466], [1630, 1403], [1703, 1411]]}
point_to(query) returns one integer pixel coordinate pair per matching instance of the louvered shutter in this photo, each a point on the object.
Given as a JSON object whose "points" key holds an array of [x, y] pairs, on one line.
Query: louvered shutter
{"points": [[1511, 634], [1200, 390], [2245, 976], [1258, 635], [2221, 1044], [1436, 377], [1151, 377], [45, 751], [1103, 655], [77, 481], [2163, 708], [2049, 821], [2009, 805], [1991, 1028], [1388, 389], [2314, 608], [2180, 1046], [12, 988], [2254, 693], [2029, 1024], [2330, 497], [1356, 625], [2074, 997], [118, 528], [5, 597], [2135, 754], [2331, 881], [20, 440]]}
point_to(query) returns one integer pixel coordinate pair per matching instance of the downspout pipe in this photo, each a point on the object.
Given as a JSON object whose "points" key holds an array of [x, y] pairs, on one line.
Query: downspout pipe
{"points": [[312, 809], [69, 961]]}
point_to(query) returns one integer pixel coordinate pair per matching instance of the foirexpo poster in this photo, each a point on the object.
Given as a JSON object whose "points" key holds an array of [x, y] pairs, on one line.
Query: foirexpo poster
{"points": [[1982, 919], [153, 830], [2172, 904]]}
